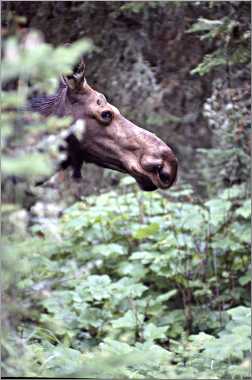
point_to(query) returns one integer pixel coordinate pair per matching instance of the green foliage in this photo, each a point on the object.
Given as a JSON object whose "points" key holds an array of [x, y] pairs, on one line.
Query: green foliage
{"points": [[210, 61], [135, 286], [128, 284], [22, 166], [228, 162], [232, 51], [227, 110], [142, 6], [23, 62], [28, 61]]}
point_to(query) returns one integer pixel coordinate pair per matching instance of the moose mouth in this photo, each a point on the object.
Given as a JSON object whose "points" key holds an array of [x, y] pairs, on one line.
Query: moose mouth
{"points": [[146, 181], [146, 184], [152, 181]]}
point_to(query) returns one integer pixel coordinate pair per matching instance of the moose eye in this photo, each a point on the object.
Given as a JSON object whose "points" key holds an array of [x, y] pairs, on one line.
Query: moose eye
{"points": [[107, 116]]}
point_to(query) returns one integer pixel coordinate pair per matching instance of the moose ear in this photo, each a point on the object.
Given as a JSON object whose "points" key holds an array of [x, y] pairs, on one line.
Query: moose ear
{"points": [[76, 80]]}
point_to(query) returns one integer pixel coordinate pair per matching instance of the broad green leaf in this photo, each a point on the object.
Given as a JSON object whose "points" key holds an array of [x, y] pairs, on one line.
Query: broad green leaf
{"points": [[241, 232], [127, 287], [245, 209], [109, 250], [146, 231], [152, 332], [218, 211], [130, 320], [164, 297], [144, 256], [240, 313], [244, 280], [234, 192], [99, 286], [135, 270], [201, 340]]}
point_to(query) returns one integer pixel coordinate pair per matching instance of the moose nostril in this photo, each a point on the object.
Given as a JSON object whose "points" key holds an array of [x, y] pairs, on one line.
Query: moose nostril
{"points": [[164, 176]]}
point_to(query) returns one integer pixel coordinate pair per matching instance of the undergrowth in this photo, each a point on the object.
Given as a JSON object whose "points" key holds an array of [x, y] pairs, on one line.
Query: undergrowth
{"points": [[133, 286]]}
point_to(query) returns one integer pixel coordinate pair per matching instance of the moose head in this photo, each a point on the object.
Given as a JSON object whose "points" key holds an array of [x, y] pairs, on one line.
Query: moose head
{"points": [[109, 139]]}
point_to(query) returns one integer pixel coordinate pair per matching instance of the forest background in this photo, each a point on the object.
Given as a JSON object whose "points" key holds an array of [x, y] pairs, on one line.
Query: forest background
{"points": [[99, 278]]}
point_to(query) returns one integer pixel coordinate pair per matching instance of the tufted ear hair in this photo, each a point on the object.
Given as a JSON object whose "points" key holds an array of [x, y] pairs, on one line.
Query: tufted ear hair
{"points": [[76, 80]]}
